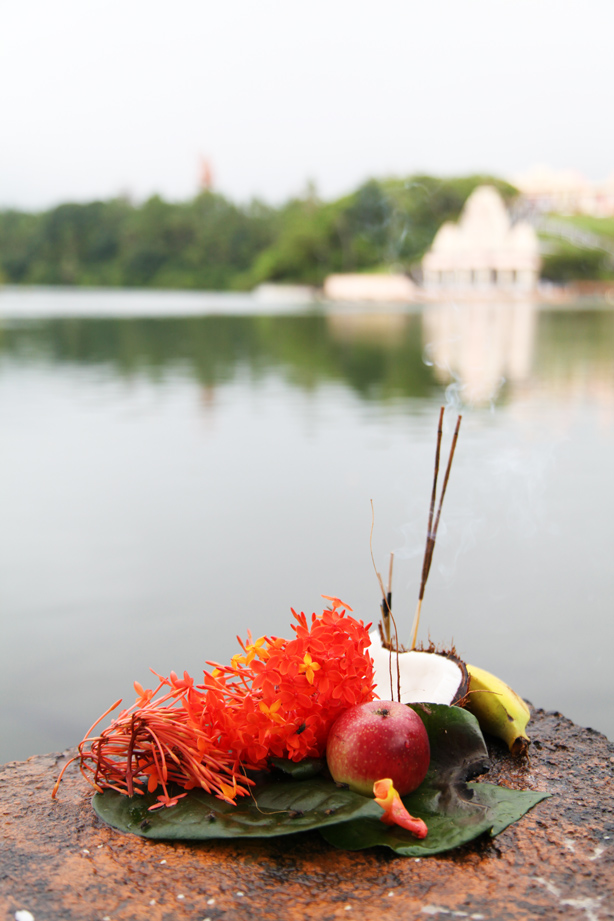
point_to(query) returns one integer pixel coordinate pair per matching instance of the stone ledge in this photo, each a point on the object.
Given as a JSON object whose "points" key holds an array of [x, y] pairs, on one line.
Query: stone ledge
{"points": [[59, 861]]}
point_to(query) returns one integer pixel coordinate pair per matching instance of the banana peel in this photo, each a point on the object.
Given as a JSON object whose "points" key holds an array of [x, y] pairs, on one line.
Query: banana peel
{"points": [[499, 710]]}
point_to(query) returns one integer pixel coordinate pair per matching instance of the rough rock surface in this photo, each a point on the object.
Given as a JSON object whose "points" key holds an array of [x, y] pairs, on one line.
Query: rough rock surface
{"points": [[59, 861]]}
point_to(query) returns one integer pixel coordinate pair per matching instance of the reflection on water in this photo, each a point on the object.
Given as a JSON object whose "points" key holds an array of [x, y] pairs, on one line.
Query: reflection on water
{"points": [[481, 345], [167, 483], [378, 358], [486, 350], [383, 329], [484, 347], [578, 351]]}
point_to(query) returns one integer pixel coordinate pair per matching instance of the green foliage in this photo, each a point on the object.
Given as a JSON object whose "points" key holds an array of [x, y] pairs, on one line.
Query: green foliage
{"points": [[211, 243], [19, 242], [304, 249], [600, 226], [574, 263], [205, 243]]}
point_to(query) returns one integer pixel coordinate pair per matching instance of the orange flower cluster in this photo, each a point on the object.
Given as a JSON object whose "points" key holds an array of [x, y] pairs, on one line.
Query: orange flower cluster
{"points": [[277, 698], [295, 689]]}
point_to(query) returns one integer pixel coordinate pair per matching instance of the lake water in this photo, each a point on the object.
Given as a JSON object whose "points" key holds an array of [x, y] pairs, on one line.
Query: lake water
{"points": [[169, 481]]}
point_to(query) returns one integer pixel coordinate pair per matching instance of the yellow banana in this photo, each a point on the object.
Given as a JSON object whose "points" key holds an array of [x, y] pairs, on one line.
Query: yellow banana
{"points": [[499, 709]]}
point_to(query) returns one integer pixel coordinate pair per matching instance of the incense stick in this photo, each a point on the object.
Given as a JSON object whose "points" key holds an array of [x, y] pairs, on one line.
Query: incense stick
{"points": [[432, 527], [390, 577], [446, 478], [387, 614], [386, 605]]}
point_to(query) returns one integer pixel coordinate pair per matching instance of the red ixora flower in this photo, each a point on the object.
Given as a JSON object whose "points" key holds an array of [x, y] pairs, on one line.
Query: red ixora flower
{"points": [[276, 698]]}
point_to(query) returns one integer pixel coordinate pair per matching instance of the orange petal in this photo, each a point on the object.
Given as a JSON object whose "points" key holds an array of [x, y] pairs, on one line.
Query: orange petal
{"points": [[395, 812], [337, 602], [152, 782]]}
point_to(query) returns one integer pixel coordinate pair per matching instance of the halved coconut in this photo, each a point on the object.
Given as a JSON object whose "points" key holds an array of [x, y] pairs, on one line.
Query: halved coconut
{"points": [[427, 676]]}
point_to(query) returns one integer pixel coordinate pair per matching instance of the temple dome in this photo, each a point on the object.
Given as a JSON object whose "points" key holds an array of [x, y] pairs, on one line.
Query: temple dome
{"points": [[484, 250]]}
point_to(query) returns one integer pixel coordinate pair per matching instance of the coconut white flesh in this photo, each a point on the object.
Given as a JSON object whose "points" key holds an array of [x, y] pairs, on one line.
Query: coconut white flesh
{"points": [[425, 676]]}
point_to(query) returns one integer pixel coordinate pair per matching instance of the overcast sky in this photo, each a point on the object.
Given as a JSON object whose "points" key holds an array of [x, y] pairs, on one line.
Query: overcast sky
{"points": [[101, 97]]}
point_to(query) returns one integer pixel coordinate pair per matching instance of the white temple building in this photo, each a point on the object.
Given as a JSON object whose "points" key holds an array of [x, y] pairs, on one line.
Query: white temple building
{"points": [[484, 251]]}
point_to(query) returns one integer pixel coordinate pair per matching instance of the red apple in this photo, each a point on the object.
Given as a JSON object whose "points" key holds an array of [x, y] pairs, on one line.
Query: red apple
{"points": [[375, 740]]}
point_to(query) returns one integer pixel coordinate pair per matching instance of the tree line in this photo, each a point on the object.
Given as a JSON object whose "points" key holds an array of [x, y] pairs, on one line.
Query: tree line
{"points": [[212, 243]]}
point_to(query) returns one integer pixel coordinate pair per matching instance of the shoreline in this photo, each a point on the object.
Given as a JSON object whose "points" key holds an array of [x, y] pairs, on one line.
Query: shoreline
{"points": [[24, 302]]}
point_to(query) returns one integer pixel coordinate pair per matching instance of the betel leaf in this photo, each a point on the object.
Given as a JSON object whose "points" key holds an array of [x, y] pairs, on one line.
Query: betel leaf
{"points": [[458, 749], [455, 812], [299, 770], [275, 809]]}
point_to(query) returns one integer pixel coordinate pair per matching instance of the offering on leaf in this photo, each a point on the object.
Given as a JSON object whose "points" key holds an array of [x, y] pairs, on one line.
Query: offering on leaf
{"points": [[245, 752], [217, 759]]}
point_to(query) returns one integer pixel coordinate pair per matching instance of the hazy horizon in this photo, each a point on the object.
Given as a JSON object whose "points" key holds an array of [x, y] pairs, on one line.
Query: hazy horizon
{"points": [[107, 99]]}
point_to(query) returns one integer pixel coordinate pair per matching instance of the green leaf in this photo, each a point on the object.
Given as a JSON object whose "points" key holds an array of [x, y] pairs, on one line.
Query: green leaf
{"points": [[506, 806], [277, 809], [458, 749], [299, 770]]}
